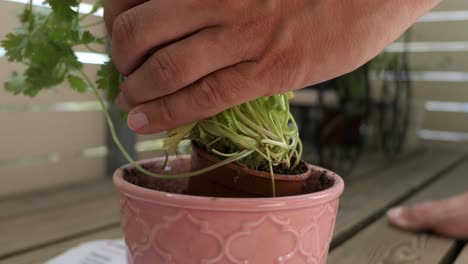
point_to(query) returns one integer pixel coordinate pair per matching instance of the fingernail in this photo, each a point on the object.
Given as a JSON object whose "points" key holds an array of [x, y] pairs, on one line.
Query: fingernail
{"points": [[395, 216], [394, 212], [137, 120]]}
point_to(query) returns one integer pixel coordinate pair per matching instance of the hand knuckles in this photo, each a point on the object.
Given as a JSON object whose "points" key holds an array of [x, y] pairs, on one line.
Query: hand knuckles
{"points": [[124, 26], [130, 98], [126, 97], [168, 114], [211, 93], [163, 69]]}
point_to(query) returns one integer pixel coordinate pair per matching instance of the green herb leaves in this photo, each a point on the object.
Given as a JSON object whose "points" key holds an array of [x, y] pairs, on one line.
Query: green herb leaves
{"points": [[77, 83], [109, 80], [45, 43]]}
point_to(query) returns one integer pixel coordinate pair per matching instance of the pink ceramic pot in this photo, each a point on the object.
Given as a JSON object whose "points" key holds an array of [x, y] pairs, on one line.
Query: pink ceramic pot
{"points": [[161, 227]]}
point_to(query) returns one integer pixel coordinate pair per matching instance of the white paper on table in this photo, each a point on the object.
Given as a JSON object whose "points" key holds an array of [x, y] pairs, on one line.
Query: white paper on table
{"points": [[95, 252]]}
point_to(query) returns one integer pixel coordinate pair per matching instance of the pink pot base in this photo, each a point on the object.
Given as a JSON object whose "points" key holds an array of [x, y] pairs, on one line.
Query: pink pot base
{"points": [[161, 227]]}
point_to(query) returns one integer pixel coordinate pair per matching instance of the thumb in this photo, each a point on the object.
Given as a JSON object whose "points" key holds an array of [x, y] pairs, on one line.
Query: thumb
{"points": [[415, 218]]}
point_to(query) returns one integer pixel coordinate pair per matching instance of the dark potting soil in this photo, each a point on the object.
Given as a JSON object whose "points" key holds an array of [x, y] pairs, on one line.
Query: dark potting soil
{"points": [[319, 181], [179, 186], [299, 169]]}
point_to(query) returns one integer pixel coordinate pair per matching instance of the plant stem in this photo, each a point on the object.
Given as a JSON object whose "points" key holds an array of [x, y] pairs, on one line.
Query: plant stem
{"points": [[91, 49], [127, 156], [273, 185]]}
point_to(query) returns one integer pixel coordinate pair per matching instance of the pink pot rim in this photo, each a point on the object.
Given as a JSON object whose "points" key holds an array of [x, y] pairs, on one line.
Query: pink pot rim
{"points": [[227, 204]]}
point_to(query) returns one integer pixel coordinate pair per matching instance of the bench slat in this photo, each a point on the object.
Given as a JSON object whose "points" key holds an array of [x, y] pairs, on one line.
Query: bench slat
{"points": [[381, 243], [463, 257], [26, 204], [56, 224], [365, 199], [43, 254]]}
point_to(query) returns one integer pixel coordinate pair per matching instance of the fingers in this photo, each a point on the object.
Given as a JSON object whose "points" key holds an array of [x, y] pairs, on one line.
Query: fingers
{"points": [[415, 218], [146, 27], [205, 98], [113, 8], [179, 65], [446, 217]]}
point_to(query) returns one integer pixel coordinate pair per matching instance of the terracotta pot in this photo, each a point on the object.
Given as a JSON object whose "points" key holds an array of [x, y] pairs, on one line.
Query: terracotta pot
{"points": [[161, 227], [234, 180]]}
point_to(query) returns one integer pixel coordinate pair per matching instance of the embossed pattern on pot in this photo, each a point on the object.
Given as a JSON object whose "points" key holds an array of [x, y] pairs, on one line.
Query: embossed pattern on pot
{"points": [[183, 233]]}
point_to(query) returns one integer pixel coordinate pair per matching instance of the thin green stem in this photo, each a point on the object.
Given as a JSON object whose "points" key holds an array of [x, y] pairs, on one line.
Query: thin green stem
{"points": [[275, 143], [215, 151], [270, 165], [91, 49], [85, 16], [127, 156]]}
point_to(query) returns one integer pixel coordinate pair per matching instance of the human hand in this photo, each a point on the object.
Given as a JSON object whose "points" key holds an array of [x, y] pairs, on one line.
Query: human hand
{"points": [[446, 217], [187, 60]]}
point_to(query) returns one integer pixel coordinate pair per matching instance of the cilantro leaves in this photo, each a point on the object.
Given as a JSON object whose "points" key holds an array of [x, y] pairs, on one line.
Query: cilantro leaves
{"points": [[44, 42]]}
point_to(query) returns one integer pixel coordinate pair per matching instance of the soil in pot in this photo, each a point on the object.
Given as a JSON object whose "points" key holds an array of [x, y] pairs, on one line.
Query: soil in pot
{"points": [[317, 180]]}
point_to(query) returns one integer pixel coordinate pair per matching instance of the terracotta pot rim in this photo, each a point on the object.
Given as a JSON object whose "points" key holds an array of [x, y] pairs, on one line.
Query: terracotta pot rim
{"points": [[263, 174], [227, 204]]}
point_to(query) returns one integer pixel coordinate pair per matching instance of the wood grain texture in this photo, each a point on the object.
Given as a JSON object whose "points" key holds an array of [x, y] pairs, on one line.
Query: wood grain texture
{"points": [[446, 121], [450, 5], [445, 145], [26, 134], [17, 180], [56, 224], [439, 61], [45, 253], [463, 257], [381, 243], [364, 199], [373, 161], [25, 204], [441, 91], [439, 31]]}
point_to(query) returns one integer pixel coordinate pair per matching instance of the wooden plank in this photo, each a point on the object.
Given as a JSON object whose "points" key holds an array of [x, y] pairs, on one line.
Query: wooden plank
{"points": [[374, 161], [438, 91], [56, 224], [364, 199], [380, 243], [450, 5], [439, 61], [439, 31], [27, 134], [463, 257], [446, 121], [29, 203], [24, 179], [45, 253], [445, 145], [441, 91]]}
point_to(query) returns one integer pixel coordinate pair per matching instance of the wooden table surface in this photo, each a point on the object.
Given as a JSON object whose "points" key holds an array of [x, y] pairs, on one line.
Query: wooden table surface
{"points": [[39, 226]]}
